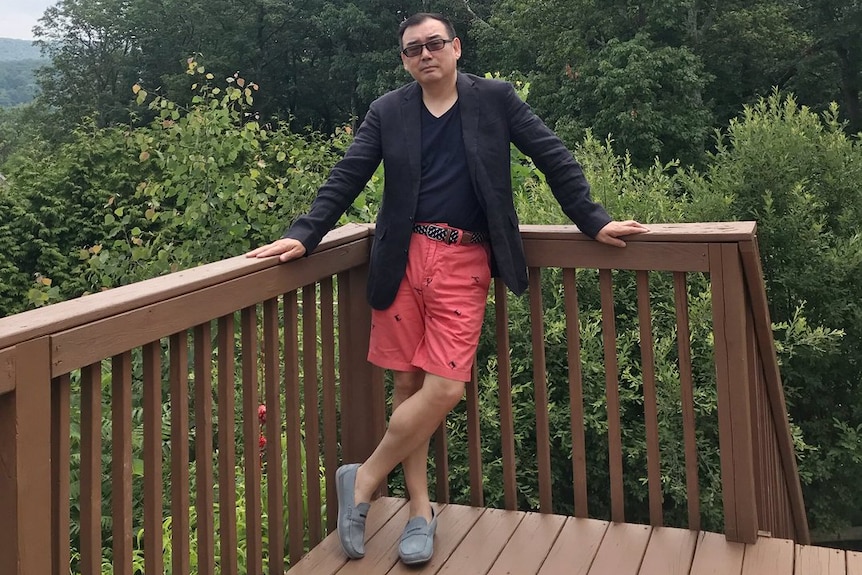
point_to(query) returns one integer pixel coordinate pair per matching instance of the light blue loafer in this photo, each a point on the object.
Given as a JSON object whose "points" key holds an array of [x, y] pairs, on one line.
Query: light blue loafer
{"points": [[417, 540], [351, 517]]}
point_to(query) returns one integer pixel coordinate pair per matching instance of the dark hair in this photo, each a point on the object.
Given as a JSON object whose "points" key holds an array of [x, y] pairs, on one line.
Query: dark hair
{"points": [[417, 19]]}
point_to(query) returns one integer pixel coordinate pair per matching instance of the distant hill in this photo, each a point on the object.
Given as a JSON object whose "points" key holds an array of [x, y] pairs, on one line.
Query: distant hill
{"points": [[19, 60], [13, 50]]}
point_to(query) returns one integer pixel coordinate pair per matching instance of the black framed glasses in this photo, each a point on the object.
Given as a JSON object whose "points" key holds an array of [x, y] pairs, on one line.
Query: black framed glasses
{"points": [[433, 45]]}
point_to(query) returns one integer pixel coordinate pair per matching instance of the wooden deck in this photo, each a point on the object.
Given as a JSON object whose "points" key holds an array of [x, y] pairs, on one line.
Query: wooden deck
{"points": [[473, 541]]}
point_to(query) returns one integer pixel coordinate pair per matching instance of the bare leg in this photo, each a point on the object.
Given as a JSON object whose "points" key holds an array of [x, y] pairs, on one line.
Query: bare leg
{"points": [[415, 465], [410, 428]]}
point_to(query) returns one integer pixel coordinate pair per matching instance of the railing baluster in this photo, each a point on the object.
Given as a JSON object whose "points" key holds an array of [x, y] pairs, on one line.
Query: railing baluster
{"points": [[474, 440], [504, 379], [441, 464], [540, 383], [60, 459], [615, 450], [251, 451], [650, 401], [312, 412], [330, 425], [292, 406], [152, 392], [274, 480], [91, 470], [204, 448], [180, 524], [576, 392], [121, 461], [226, 446], [687, 399]]}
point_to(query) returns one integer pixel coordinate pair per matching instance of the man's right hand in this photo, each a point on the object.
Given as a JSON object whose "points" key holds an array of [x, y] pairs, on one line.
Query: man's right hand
{"points": [[286, 249]]}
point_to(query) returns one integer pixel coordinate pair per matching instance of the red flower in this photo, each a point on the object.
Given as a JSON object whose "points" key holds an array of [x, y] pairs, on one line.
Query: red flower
{"points": [[262, 442], [261, 413]]}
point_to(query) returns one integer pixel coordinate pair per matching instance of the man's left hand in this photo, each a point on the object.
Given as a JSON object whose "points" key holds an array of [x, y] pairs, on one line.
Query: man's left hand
{"points": [[613, 231]]}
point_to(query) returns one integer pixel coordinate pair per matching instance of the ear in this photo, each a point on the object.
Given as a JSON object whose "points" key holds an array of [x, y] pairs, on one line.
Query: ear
{"points": [[456, 47], [404, 61]]}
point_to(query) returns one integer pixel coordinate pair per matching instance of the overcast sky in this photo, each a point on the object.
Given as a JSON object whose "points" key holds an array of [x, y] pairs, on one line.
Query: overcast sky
{"points": [[17, 17]]}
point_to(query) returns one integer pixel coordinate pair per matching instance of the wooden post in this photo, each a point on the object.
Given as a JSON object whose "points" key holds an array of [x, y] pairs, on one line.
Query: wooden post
{"points": [[25, 462], [734, 400], [363, 403]]}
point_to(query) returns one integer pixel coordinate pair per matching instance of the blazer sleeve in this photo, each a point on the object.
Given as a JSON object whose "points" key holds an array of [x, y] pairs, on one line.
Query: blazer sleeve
{"points": [[562, 172], [345, 182]]}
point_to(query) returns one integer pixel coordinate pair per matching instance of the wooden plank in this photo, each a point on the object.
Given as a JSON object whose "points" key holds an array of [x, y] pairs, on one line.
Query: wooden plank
{"points": [[540, 388], [251, 430], [612, 392], [227, 446], [441, 463], [272, 450], [328, 557], [293, 428], [670, 552], [547, 253], [7, 370], [180, 524], [381, 548], [153, 553], [121, 462], [854, 563], [684, 232], [622, 549], [453, 524], [204, 477], [60, 470], [25, 464], [735, 436], [91, 470], [480, 548], [683, 330], [312, 413], [474, 440], [715, 555], [576, 393], [820, 561], [650, 401], [330, 425], [340, 249], [529, 546], [768, 557], [504, 390], [575, 548]]}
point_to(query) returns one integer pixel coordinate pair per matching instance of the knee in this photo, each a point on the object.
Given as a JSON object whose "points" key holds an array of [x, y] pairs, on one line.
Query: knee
{"points": [[445, 393], [406, 384]]}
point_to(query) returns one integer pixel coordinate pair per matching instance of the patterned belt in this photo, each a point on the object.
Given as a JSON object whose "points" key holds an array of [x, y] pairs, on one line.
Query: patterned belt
{"points": [[450, 235]]}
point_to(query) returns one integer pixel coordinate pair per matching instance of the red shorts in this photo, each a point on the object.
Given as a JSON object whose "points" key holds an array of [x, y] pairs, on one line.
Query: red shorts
{"points": [[434, 323]]}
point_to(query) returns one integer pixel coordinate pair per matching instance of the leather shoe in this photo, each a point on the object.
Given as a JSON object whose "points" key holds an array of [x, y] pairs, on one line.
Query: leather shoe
{"points": [[351, 517], [417, 541]]}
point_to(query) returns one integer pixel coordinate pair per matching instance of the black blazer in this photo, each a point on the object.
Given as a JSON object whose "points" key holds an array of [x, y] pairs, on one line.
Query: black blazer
{"points": [[492, 116]]}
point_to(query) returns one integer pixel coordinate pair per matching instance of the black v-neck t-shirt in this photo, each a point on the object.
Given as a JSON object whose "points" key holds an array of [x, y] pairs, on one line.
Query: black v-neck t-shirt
{"points": [[446, 193]]}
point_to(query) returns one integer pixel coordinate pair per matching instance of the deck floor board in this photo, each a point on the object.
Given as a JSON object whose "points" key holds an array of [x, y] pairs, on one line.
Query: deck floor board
{"points": [[475, 541]]}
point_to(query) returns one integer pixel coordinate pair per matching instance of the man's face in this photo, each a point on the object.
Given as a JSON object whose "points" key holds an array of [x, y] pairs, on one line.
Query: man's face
{"points": [[429, 67]]}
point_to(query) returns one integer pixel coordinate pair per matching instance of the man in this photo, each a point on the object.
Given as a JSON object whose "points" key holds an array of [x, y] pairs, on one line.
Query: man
{"points": [[447, 217]]}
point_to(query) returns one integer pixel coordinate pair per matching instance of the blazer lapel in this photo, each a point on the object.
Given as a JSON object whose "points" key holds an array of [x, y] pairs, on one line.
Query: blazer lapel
{"points": [[412, 123], [468, 100]]}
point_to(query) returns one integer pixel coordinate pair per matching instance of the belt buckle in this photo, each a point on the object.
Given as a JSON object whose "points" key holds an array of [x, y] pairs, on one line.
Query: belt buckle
{"points": [[451, 236]]}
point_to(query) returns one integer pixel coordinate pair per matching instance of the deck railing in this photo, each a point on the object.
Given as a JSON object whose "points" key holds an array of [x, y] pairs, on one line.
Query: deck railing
{"points": [[167, 377]]}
